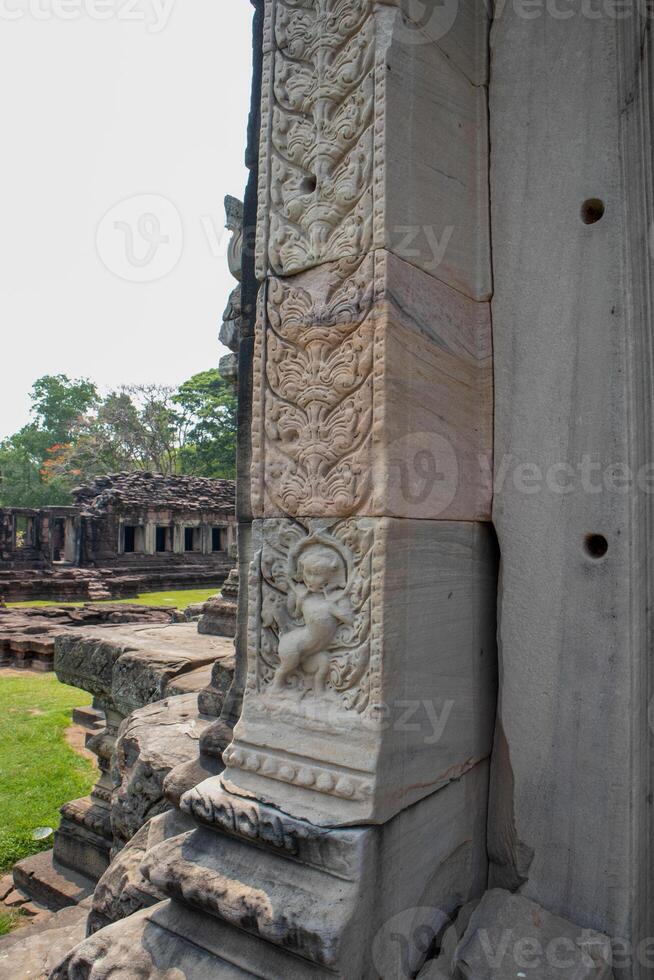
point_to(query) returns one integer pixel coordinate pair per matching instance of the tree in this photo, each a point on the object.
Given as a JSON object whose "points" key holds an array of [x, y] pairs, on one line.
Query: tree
{"points": [[136, 427], [75, 435], [207, 404], [57, 404]]}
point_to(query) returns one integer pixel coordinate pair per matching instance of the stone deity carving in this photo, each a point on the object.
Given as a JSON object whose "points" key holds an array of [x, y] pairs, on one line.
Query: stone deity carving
{"points": [[320, 599]]}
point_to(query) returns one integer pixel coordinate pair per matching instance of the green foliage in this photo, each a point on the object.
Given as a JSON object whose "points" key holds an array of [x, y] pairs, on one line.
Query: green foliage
{"points": [[208, 403], [57, 405], [21, 483], [9, 921], [75, 435], [176, 599], [39, 771]]}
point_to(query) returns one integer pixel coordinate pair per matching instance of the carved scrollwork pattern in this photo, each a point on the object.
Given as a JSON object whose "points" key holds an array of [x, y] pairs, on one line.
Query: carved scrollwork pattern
{"points": [[319, 134], [319, 383]]}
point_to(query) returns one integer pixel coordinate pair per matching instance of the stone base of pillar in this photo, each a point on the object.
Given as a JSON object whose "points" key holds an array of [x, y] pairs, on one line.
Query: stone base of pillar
{"points": [[266, 894], [83, 840]]}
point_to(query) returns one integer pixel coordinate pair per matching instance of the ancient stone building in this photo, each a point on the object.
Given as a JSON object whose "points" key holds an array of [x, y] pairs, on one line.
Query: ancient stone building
{"points": [[127, 532], [435, 758]]}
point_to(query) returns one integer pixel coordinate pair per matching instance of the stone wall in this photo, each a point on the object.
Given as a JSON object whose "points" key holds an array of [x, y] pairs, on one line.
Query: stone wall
{"points": [[127, 533]]}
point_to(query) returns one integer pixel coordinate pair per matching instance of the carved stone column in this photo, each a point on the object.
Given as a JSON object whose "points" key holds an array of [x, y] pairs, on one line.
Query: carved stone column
{"points": [[369, 698], [353, 806]]}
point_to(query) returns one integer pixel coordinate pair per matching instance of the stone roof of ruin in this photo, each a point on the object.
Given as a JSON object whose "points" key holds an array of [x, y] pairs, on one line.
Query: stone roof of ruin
{"points": [[152, 491]]}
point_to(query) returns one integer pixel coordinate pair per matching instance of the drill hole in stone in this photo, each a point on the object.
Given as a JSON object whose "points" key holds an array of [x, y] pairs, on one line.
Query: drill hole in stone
{"points": [[592, 210], [596, 545], [309, 184]]}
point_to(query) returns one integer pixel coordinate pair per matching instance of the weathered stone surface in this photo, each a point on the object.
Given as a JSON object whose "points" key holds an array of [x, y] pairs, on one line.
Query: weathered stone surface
{"points": [[126, 669], [509, 933], [131, 667], [151, 741], [218, 617], [371, 672], [212, 696], [46, 881], [329, 192], [328, 896], [123, 890], [27, 635], [138, 947], [31, 954], [571, 818], [393, 412]]}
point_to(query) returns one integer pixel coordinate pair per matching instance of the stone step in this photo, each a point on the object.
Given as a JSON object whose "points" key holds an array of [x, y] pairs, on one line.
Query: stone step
{"points": [[89, 717], [35, 950], [46, 881]]}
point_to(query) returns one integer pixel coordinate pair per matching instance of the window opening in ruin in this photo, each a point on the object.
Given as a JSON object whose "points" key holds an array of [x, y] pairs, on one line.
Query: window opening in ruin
{"points": [[129, 538], [189, 539], [24, 529], [217, 539], [58, 538], [161, 543]]}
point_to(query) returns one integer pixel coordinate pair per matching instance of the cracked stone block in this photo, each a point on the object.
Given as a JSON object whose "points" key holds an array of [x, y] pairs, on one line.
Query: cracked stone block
{"points": [[151, 742], [509, 936]]}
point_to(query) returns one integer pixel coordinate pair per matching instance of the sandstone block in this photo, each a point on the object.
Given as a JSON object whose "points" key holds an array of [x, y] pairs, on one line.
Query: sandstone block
{"points": [[123, 890], [373, 395], [34, 952], [331, 190], [151, 742], [330, 901], [371, 665], [50, 883], [509, 934]]}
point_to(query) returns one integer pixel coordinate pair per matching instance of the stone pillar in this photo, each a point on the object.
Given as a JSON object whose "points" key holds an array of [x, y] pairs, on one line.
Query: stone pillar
{"points": [[178, 539], [369, 700], [571, 113], [150, 538]]}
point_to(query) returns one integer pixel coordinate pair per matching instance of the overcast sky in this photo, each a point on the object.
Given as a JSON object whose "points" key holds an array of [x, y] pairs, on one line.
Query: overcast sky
{"points": [[123, 127]]}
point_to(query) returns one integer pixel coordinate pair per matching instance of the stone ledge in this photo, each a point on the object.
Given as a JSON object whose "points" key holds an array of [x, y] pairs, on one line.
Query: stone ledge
{"points": [[50, 883]]}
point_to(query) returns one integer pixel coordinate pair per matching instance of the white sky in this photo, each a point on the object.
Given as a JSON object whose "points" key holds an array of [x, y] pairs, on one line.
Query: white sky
{"points": [[151, 99]]}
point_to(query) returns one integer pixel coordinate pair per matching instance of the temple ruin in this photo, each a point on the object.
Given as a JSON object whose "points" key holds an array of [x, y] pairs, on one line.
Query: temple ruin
{"points": [[434, 758], [126, 533]]}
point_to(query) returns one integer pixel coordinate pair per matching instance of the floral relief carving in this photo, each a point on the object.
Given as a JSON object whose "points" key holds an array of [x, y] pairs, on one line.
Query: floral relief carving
{"points": [[319, 384], [313, 635], [318, 133]]}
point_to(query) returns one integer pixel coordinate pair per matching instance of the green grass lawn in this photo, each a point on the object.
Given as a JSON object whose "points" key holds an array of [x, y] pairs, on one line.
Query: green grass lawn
{"points": [[39, 771], [179, 599]]}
